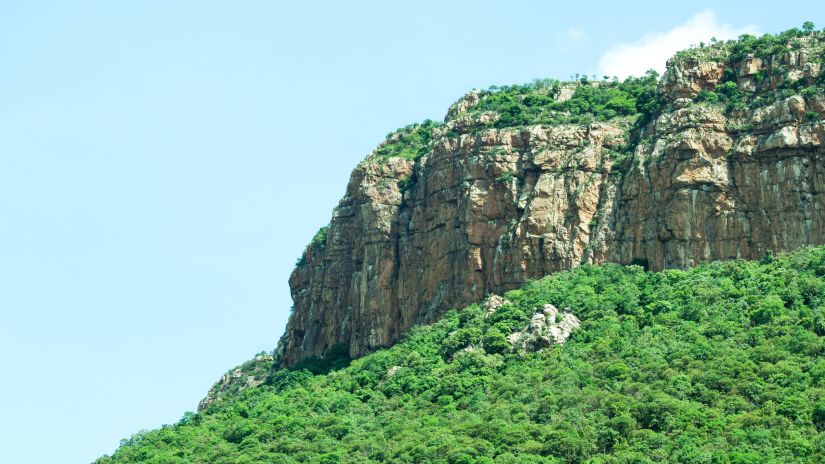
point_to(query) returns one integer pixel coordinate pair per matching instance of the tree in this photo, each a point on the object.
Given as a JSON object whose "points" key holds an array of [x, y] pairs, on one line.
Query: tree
{"points": [[808, 26], [818, 415]]}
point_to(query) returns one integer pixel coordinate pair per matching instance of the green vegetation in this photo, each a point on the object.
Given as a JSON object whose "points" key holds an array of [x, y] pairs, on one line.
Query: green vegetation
{"points": [[768, 44], [634, 98], [252, 372], [768, 86], [409, 142], [720, 364], [506, 177], [747, 45], [336, 357], [727, 93], [319, 240], [318, 243], [536, 103]]}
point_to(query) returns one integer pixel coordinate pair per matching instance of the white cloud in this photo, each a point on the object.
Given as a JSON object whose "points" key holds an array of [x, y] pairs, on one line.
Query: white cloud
{"points": [[652, 51]]}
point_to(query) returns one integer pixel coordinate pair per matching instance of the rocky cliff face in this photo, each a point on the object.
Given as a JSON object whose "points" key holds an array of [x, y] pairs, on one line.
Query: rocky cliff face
{"points": [[486, 208]]}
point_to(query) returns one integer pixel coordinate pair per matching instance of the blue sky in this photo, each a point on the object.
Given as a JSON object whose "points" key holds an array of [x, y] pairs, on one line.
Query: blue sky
{"points": [[163, 164]]}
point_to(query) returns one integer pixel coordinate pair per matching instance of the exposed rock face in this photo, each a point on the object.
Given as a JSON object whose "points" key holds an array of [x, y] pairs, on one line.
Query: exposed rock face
{"points": [[483, 212], [547, 328], [703, 191], [248, 375], [492, 303]]}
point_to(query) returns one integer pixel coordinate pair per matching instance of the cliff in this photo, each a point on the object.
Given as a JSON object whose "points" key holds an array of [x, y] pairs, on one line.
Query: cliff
{"points": [[721, 158]]}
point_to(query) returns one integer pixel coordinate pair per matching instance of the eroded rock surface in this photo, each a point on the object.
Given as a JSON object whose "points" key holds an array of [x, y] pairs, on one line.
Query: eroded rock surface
{"points": [[483, 212]]}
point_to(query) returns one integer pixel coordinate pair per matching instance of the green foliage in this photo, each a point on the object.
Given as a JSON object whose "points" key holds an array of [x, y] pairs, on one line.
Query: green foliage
{"points": [[506, 177], [591, 101], [818, 415], [731, 95], [768, 44], [707, 96], [404, 184], [319, 240], [631, 103], [409, 142], [761, 47], [318, 243], [771, 82], [717, 364], [336, 357], [810, 91]]}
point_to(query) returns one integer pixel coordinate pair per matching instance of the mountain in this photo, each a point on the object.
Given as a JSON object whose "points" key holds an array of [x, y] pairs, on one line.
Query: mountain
{"points": [[722, 158], [638, 267]]}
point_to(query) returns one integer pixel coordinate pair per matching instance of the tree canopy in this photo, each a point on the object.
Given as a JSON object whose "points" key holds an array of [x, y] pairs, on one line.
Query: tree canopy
{"points": [[717, 364]]}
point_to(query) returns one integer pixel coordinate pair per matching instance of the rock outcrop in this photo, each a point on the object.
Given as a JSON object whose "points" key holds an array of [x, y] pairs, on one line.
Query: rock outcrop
{"points": [[548, 327], [248, 375], [483, 211]]}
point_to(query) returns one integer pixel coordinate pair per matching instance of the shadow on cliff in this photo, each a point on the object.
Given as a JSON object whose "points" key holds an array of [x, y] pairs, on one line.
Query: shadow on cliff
{"points": [[336, 357]]}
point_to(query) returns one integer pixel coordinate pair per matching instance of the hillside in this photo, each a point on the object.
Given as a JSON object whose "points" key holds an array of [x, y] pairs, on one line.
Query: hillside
{"points": [[640, 263], [720, 158], [721, 363]]}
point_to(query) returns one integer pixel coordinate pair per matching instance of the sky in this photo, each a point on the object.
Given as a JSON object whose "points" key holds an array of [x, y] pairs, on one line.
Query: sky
{"points": [[163, 164]]}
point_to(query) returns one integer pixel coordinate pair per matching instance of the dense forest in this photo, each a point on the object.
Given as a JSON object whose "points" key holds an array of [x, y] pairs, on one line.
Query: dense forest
{"points": [[716, 364], [719, 364]]}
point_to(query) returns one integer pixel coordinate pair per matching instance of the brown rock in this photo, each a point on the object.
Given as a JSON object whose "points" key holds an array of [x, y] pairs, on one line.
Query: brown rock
{"points": [[701, 185]]}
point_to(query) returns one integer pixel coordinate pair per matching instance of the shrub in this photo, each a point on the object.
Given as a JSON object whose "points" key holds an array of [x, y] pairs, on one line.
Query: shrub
{"points": [[506, 177], [409, 142], [591, 101]]}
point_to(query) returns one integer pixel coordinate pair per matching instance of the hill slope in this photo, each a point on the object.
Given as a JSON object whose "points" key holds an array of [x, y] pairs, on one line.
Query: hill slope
{"points": [[721, 363]]}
